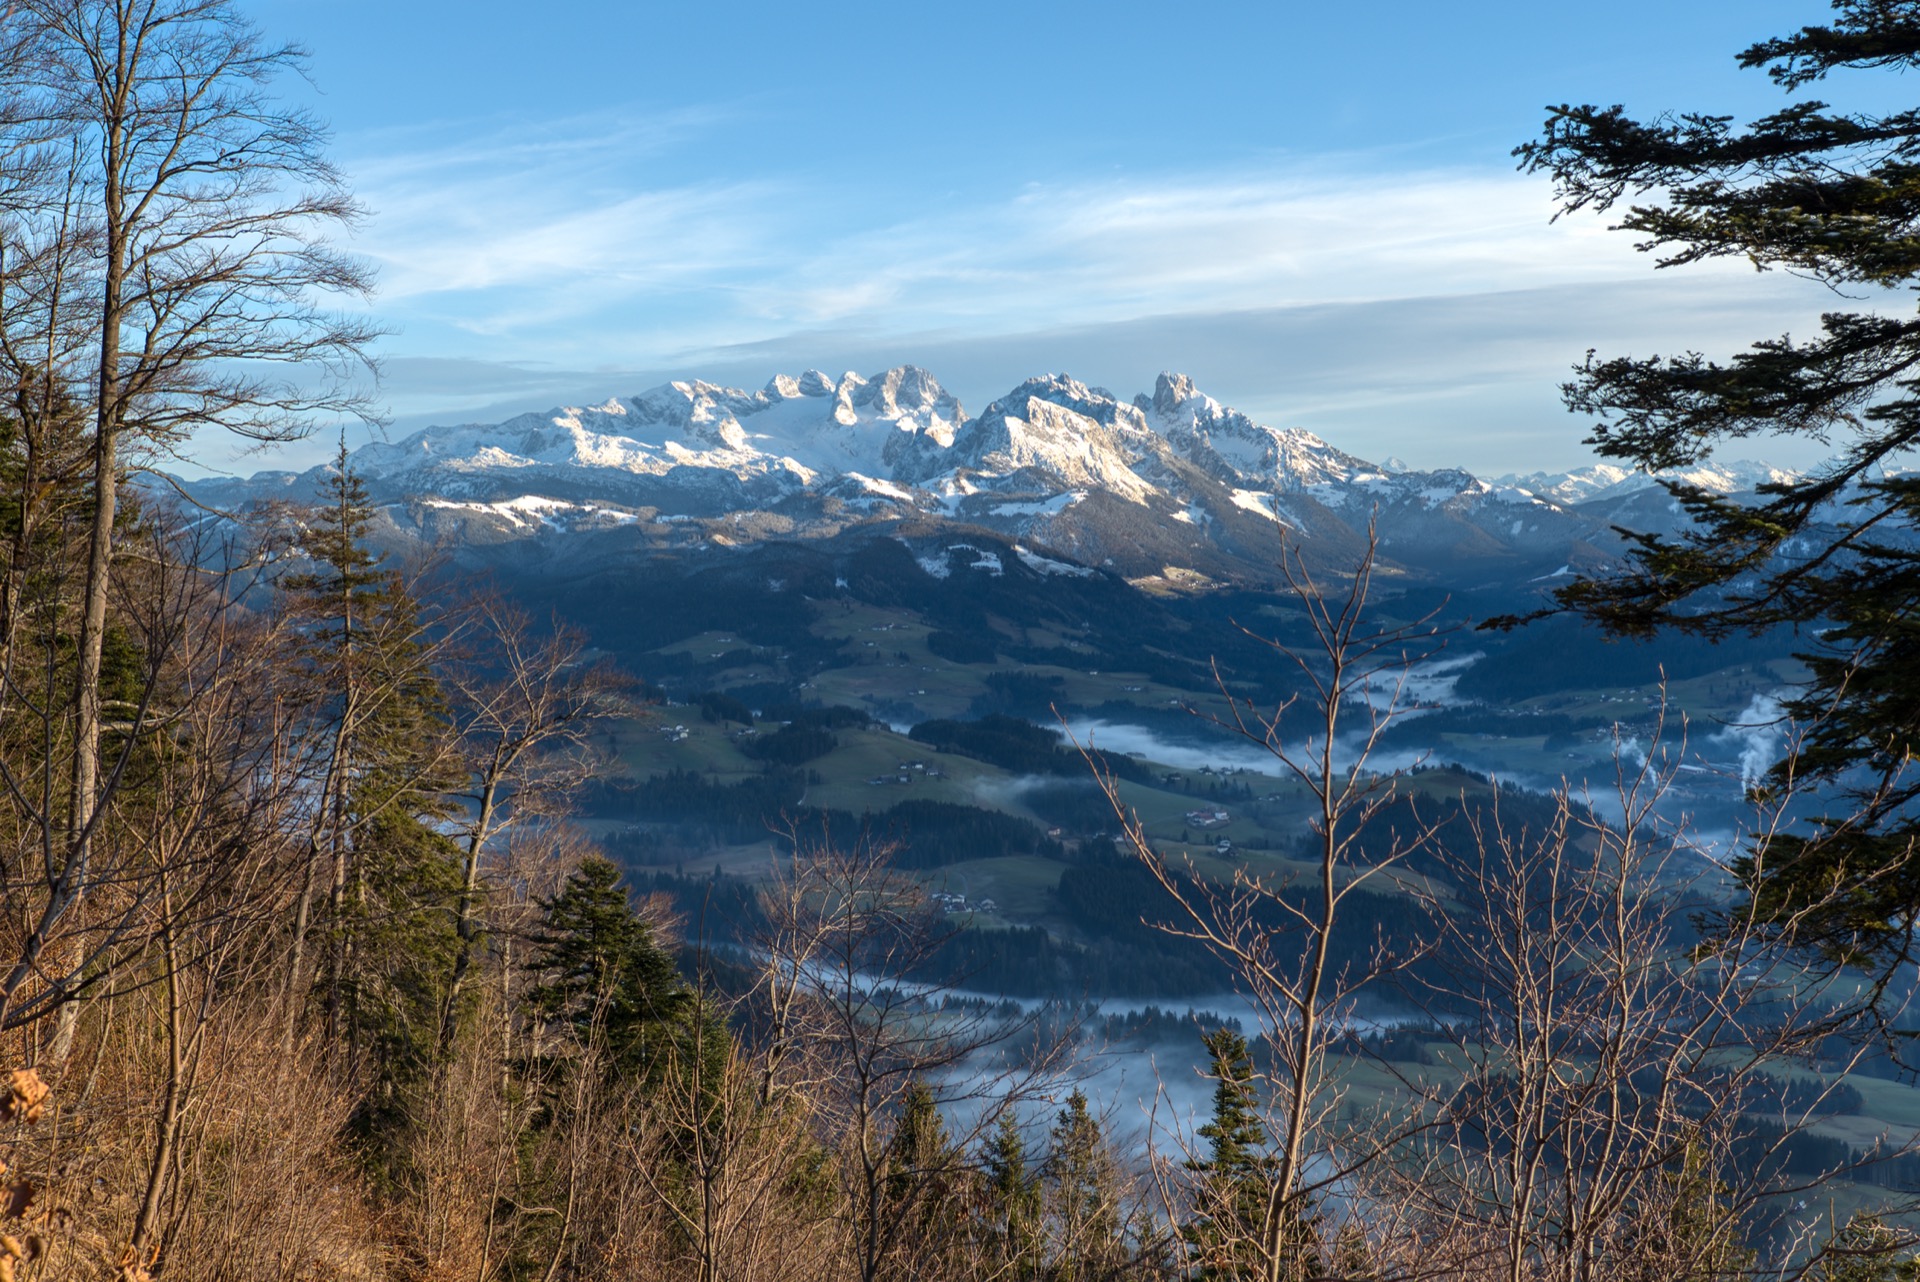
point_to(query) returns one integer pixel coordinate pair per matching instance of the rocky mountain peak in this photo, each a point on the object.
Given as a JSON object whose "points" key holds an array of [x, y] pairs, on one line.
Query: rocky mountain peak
{"points": [[1169, 392], [904, 388], [785, 387]]}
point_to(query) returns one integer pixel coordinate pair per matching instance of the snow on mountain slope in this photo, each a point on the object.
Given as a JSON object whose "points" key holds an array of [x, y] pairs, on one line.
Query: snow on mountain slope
{"points": [[1264, 464], [1233, 448], [825, 427], [898, 436], [1048, 435], [1605, 481], [795, 432], [531, 511], [1175, 479], [1572, 487]]}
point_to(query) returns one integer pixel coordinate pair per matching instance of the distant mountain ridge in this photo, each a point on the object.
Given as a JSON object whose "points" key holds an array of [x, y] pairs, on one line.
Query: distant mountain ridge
{"points": [[1602, 481], [1161, 486]]}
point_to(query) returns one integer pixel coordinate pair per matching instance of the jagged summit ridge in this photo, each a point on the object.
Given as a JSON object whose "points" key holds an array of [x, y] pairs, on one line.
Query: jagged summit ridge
{"points": [[1234, 447], [1609, 481], [898, 428], [1160, 481]]}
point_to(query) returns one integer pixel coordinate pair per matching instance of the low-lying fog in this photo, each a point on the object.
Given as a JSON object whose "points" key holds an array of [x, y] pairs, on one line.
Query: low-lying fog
{"points": [[1151, 1085], [1158, 1084], [1712, 766]]}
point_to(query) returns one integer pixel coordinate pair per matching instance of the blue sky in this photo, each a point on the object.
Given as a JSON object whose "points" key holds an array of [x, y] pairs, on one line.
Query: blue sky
{"points": [[1311, 208]]}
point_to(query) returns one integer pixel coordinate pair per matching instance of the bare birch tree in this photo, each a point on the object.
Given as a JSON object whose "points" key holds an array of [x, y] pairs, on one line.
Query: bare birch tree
{"points": [[526, 706]]}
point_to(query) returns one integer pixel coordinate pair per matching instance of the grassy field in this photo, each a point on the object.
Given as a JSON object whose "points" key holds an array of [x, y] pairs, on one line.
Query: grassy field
{"points": [[1020, 885]]}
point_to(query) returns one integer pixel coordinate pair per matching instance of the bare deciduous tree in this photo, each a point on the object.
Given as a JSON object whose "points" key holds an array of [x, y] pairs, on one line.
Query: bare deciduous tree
{"points": [[204, 204], [1626, 1096], [525, 711], [856, 968], [1285, 943]]}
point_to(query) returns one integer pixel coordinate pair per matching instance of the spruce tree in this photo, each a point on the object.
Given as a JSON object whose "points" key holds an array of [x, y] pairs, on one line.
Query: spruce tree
{"points": [[1867, 1249], [1082, 1180], [42, 487], [923, 1179], [1233, 1193], [1687, 1230], [1235, 1136], [1238, 1182], [42, 484], [603, 975], [1831, 195], [381, 873], [920, 1146], [1012, 1201]]}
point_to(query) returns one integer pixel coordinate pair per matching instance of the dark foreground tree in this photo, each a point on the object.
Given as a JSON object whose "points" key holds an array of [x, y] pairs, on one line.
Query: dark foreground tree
{"points": [[1835, 196], [1012, 1197], [603, 972], [1231, 1199]]}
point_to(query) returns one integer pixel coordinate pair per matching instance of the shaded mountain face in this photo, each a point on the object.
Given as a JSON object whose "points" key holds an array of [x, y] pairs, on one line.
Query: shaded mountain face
{"points": [[1171, 489]]}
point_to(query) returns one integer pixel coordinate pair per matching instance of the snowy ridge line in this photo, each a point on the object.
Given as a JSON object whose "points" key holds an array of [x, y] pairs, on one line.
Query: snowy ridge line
{"points": [[1070, 466]]}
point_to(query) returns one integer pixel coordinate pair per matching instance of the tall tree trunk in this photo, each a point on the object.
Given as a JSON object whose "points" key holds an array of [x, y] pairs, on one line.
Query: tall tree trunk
{"points": [[83, 810], [290, 993], [337, 915], [339, 771], [93, 616], [1283, 1207], [172, 1102], [330, 817], [464, 914], [33, 444]]}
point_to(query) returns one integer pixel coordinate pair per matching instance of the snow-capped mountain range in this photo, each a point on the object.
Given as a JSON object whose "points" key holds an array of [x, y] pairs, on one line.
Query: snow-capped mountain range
{"points": [[1162, 484], [1604, 481]]}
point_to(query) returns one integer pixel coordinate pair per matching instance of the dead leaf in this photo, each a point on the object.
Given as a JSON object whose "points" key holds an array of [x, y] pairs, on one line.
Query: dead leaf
{"points": [[131, 1268], [24, 1096], [16, 1199]]}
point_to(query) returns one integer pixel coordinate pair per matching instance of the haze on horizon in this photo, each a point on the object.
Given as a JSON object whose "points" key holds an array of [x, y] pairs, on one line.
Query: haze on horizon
{"points": [[1311, 210]]}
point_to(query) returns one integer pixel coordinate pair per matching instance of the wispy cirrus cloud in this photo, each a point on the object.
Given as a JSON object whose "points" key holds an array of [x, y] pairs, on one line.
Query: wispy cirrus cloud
{"points": [[510, 230], [1286, 236], [549, 236]]}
